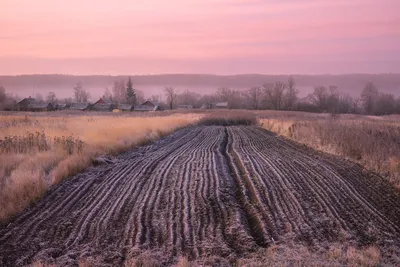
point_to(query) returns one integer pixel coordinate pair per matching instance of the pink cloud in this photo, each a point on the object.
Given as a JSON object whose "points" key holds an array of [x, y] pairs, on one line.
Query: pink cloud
{"points": [[200, 30]]}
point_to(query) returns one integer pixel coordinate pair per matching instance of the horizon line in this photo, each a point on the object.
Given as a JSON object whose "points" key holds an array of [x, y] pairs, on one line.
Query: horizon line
{"points": [[203, 74]]}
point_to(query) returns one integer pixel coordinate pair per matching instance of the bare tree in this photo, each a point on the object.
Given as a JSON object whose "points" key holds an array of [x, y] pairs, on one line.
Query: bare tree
{"points": [[208, 99], [346, 104], [398, 105], [253, 97], [233, 97], [39, 97], [274, 94], [139, 97], [188, 98], [291, 94], [80, 94], [369, 97], [155, 98], [51, 98], [67, 100], [224, 94], [320, 97], [77, 92], [119, 92], [184, 97], [333, 101], [108, 95], [171, 93], [385, 104]]}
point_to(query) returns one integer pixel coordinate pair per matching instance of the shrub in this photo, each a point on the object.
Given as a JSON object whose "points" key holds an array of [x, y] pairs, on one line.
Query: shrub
{"points": [[229, 118]]}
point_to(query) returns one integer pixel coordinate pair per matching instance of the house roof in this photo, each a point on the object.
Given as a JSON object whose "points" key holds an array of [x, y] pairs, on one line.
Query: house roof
{"points": [[79, 106], [103, 106], [62, 105], [125, 106], [103, 101], [30, 100], [154, 103]]}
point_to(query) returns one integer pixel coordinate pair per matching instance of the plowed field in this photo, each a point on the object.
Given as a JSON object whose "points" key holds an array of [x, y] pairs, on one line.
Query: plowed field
{"points": [[205, 191]]}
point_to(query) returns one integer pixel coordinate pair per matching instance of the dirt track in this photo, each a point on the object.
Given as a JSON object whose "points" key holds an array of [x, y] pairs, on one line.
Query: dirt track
{"points": [[205, 191]]}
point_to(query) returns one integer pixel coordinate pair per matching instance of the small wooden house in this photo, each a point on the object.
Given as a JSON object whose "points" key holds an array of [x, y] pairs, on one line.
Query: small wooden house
{"points": [[125, 107], [79, 106], [148, 106], [40, 107], [62, 106], [23, 105], [103, 105]]}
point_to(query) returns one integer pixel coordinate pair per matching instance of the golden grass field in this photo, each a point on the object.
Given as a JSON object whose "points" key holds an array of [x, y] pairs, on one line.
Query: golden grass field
{"points": [[25, 176]]}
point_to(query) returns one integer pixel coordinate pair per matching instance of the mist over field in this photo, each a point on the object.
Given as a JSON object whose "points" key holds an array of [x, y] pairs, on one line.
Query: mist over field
{"points": [[30, 85]]}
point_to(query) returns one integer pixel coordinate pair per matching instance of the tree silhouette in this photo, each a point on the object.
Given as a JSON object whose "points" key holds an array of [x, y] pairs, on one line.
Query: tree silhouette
{"points": [[130, 92]]}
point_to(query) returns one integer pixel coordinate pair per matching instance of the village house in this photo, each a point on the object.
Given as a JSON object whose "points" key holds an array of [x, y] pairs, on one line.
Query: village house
{"points": [[23, 105], [62, 106], [216, 105], [148, 106], [103, 105], [125, 107], [79, 106], [40, 107]]}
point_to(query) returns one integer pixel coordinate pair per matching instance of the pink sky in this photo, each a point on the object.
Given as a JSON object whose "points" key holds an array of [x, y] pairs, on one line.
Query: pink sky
{"points": [[199, 36]]}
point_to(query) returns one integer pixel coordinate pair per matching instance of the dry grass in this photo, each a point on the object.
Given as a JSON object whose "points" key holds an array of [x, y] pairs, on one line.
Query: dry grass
{"points": [[279, 256], [282, 256], [37, 151], [183, 262], [275, 256], [374, 142]]}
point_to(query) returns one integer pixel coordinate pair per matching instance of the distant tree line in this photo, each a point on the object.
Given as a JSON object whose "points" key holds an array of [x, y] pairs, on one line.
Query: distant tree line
{"points": [[269, 96], [284, 96]]}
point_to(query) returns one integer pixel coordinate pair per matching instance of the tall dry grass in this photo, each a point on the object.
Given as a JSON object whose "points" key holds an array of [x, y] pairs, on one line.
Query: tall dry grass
{"points": [[37, 151], [335, 255], [273, 256], [373, 142]]}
